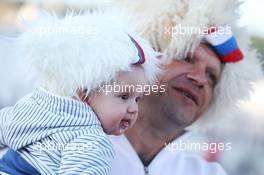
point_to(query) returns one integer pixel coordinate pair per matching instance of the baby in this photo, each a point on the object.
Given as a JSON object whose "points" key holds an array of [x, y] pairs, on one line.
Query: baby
{"points": [[61, 127]]}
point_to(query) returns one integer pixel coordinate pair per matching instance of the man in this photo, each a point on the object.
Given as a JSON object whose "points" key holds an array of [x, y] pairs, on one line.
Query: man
{"points": [[198, 85]]}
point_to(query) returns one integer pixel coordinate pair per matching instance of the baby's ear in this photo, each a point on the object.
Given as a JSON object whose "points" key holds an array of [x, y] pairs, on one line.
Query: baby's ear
{"points": [[82, 94]]}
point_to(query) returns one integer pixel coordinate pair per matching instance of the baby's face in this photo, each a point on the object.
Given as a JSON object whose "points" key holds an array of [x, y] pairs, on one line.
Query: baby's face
{"points": [[117, 109]]}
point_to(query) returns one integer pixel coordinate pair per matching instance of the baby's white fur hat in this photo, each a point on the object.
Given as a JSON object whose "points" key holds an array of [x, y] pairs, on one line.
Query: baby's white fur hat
{"points": [[83, 51], [155, 22]]}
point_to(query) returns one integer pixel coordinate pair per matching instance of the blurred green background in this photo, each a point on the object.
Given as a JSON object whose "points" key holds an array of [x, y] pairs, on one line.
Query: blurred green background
{"points": [[259, 44]]}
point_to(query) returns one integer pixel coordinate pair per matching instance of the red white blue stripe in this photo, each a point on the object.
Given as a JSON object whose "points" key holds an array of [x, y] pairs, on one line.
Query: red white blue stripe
{"points": [[141, 55], [225, 44]]}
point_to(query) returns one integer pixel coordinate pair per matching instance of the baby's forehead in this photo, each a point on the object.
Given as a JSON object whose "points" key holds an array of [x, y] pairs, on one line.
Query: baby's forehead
{"points": [[135, 75]]}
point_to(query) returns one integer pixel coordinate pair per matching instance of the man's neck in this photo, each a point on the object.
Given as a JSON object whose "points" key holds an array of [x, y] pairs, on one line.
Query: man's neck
{"points": [[149, 141]]}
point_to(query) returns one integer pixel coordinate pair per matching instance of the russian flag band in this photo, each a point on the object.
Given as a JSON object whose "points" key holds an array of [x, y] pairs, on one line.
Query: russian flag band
{"points": [[225, 45], [141, 55]]}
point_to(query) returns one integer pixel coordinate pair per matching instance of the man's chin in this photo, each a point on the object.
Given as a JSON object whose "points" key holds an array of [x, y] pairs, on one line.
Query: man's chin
{"points": [[184, 117]]}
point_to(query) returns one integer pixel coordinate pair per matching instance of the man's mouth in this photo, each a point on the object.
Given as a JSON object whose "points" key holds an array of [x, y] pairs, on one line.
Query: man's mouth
{"points": [[188, 94]]}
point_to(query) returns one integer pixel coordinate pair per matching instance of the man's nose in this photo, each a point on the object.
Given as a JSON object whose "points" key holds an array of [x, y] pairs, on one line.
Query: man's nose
{"points": [[197, 75], [133, 107]]}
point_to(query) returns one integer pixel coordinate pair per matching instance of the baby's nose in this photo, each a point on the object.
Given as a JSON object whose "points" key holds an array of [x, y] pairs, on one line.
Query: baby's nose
{"points": [[133, 108]]}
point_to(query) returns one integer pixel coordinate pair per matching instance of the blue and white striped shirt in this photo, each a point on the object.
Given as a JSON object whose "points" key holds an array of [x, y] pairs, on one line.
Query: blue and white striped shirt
{"points": [[56, 135]]}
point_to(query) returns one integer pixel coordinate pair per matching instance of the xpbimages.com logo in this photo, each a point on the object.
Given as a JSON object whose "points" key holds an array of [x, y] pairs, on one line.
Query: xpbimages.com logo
{"points": [[196, 30], [122, 87], [58, 30], [187, 146]]}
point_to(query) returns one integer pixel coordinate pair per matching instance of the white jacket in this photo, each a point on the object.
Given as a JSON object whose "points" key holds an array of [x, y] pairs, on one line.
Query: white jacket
{"points": [[165, 163]]}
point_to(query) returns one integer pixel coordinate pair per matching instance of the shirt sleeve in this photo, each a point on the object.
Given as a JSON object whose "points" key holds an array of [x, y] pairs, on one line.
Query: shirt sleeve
{"points": [[4, 113], [89, 154]]}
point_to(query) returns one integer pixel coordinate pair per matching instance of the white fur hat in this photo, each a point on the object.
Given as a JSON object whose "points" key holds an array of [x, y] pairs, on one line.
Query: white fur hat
{"points": [[159, 21], [83, 51]]}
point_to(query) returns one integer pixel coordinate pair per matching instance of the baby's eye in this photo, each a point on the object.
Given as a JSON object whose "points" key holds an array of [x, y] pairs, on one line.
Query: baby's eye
{"points": [[124, 96], [137, 99]]}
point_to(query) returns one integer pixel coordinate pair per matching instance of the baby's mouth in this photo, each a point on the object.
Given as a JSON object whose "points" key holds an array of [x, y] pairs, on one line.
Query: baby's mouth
{"points": [[124, 125]]}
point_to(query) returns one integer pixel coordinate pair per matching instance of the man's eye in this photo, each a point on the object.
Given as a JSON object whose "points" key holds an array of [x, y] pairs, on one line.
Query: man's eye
{"points": [[188, 60], [212, 77]]}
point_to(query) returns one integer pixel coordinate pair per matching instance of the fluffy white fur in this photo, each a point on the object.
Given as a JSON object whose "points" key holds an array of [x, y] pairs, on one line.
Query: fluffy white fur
{"points": [[153, 18], [83, 51]]}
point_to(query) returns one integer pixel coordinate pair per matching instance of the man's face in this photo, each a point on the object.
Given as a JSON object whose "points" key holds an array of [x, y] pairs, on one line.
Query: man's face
{"points": [[189, 86]]}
